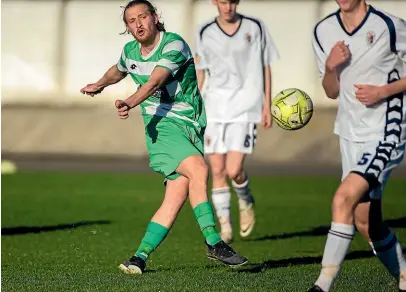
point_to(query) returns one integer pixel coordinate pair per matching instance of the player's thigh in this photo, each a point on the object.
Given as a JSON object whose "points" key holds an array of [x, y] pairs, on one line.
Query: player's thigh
{"points": [[172, 145], [375, 162], [217, 163], [214, 139], [240, 137]]}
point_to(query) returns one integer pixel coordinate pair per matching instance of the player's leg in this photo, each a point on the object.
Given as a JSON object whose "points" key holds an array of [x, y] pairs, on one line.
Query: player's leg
{"points": [[350, 191], [240, 140], [361, 219], [215, 149], [386, 245], [196, 170], [175, 195]]}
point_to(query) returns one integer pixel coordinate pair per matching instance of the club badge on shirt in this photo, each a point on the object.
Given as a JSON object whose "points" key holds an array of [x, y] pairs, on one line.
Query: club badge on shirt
{"points": [[370, 37]]}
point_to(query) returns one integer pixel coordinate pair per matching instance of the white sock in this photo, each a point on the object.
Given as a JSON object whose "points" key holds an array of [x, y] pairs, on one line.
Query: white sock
{"points": [[390, 253], [221, 201], [371, 244], [337, 244], [243, 190]]}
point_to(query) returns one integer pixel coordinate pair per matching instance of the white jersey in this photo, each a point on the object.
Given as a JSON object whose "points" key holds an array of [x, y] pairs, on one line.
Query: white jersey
{"points": [[377, 47], [234, 91]]}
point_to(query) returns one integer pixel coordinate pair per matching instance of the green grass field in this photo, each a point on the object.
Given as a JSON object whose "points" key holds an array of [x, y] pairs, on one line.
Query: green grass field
{"points": [[69, 232]]}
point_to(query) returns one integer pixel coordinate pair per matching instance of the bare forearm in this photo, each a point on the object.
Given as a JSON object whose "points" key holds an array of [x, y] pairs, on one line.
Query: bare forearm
{"points": [[268, 87], [200, 74], [142, 94], [112, 76], [394, 87], [331, 84]]}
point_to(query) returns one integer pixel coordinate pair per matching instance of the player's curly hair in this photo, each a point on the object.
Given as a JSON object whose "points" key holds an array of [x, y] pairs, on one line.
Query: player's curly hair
{"points": [[151, 8]]}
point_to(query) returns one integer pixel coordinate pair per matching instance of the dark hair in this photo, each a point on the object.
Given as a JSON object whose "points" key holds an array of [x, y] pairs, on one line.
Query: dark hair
{"points": [[160, 25]]}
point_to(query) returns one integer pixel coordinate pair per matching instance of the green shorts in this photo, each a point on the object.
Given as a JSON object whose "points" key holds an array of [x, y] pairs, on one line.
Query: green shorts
{"points": [[169, 143]]}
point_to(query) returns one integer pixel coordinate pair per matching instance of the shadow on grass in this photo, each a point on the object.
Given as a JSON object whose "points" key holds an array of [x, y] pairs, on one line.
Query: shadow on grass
{"points": [[323, 230], [299, 261], [20, 230]]}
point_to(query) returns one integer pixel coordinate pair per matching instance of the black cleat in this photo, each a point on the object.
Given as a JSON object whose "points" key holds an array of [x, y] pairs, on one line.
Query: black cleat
{"points": [[135, 265], [315, 288], [225, 254]]}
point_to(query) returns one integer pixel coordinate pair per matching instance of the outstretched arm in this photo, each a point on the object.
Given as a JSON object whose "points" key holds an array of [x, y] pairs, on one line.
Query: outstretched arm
{"points": [[112, 76]]}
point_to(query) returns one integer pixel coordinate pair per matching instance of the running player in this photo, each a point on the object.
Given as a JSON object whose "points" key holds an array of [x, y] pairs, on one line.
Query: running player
{"points": [[359, 52], [236, 53], [174, 116]]}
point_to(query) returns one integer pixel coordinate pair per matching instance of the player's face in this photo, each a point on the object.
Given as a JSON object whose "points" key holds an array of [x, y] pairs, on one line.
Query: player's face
{"points": [[348, 5], [141, 23], [227, 9]]}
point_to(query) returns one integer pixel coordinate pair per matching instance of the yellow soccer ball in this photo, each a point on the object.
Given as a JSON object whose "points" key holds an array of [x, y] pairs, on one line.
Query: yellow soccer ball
{"points": [[292, 109]]}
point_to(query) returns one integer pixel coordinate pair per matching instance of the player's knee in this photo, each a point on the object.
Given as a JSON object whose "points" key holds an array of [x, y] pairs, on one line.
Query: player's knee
{"points": [[218, 173], [235, 173], [344, 199], [200, 173]]}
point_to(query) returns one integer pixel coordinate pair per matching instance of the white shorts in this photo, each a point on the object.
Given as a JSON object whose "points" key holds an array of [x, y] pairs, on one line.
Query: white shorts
{"points": [[224, 137], [372, 160]]}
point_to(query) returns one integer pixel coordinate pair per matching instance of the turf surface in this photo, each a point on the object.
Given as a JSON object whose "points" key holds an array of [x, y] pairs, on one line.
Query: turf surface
{"points": [[69, 232]]}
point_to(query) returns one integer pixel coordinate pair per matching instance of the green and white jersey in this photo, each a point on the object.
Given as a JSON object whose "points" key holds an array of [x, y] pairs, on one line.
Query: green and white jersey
{"points": [[179, 99]]}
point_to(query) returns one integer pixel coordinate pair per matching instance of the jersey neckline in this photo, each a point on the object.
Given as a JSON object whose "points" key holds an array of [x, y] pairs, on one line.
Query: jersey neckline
{"points": [[230, 35], [340, 21], [161, 36]]}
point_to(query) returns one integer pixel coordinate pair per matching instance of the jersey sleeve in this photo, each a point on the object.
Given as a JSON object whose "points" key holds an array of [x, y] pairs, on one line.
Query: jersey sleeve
{"points": [[121, 64], [321, 57], [400, 28], [174, 55], [269, 51], [200, 58]]}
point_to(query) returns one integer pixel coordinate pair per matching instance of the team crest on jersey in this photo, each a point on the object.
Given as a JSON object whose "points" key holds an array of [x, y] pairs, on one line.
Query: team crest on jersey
{"points": [[370, 37], [248, 37]]}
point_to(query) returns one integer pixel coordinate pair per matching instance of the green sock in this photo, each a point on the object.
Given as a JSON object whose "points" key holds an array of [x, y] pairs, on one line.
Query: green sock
{"points": [[154, 235], [205, 217]]}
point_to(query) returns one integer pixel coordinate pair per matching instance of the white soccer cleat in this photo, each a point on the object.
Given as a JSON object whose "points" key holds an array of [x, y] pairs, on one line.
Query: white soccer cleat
{"points": [[247, 217], [226, 229]]}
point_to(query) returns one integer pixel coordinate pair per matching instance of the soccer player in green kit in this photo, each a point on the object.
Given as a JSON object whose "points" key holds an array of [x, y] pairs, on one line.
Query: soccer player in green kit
{"points": [[161, 63]]}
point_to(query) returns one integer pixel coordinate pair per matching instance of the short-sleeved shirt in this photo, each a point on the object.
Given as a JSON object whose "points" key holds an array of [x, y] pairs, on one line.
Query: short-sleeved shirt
{"points": [[378, 50], [179, 100], [234, 91]]}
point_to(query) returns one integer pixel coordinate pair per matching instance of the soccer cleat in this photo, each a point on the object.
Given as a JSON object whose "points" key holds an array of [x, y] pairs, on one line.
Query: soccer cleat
{"points": [[247, 217], [225, 254], [135, 265], [315, 288], [226, 229]]}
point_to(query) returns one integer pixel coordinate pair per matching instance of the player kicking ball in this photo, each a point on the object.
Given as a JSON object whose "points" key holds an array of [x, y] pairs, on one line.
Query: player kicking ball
{"points": [[174, 116], [236, 51], [359, 52]]}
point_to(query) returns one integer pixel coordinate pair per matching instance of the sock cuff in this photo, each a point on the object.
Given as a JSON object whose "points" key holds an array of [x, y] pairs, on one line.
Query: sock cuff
{"points": [[202, 209], [220, 190], [243, 185], [385, 244], [343, 228], [156, 228]]}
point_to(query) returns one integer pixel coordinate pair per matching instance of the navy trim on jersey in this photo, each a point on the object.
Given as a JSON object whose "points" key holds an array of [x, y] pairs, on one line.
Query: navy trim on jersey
{"points": [[315, 30], [256, 21], [391, 27], [359, 26], [230, 35], [205, 27], [394, 104]]}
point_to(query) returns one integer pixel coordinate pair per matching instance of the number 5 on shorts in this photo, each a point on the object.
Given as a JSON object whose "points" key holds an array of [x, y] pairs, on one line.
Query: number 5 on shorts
{"points": [[364, 159]]}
